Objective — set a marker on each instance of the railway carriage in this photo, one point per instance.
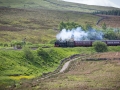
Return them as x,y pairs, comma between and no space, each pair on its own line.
85,43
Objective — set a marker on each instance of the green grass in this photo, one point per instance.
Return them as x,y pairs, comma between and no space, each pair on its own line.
15,66
52,4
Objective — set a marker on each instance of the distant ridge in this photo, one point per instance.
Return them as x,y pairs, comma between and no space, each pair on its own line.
52,5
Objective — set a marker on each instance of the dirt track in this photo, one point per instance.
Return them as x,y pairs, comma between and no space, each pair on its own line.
65,66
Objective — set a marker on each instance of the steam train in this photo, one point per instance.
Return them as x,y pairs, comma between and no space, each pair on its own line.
85,43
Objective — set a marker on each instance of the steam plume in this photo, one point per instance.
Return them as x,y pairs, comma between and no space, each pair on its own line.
79,34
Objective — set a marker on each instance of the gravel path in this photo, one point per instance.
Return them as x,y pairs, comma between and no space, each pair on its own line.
65,66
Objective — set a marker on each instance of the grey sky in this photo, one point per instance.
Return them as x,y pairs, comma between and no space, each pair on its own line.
113,3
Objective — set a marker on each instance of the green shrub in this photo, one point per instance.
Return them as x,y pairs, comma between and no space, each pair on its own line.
52,41
110,35
29,43
43,54
100,46
5,45
28,53
1,44
104,27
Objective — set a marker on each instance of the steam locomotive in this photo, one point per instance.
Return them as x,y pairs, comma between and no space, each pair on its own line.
85,43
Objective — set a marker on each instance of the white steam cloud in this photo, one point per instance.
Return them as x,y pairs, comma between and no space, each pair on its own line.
79,34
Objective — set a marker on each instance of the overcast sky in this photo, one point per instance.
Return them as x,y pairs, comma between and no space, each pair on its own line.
113,3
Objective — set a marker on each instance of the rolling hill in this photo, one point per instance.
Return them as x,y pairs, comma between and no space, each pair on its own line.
52,4
38,22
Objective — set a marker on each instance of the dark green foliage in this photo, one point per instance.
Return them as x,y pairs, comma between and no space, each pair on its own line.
52,41
43,54
62,26
40,52
68,25
104,27
1,44
117,32
5,45
110,35
110,12
88,26
100,46
16,43
28,53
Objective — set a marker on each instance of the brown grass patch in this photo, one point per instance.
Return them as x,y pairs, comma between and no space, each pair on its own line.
9,28
111,21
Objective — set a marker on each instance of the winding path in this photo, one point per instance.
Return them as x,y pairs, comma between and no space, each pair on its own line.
102,18
65,66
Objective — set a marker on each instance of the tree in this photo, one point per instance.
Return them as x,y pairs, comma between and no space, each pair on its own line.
88,26
111,35
62,25
100,46
104,27
68,25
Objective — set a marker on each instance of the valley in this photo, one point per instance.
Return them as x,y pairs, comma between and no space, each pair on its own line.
37,64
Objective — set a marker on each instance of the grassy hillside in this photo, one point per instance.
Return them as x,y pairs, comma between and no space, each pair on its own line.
95,74
39,26
38,20
26,64
52,4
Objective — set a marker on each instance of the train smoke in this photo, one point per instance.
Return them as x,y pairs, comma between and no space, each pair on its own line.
79,34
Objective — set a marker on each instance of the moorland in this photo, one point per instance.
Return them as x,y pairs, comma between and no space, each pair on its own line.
38,22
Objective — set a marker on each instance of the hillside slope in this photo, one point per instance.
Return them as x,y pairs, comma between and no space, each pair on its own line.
84,75
38,20
38,26
52,4
19,65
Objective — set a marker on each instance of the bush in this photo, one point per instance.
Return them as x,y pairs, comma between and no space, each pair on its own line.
52,41
28,54
5,45
1,44
43,54
110,35
100,46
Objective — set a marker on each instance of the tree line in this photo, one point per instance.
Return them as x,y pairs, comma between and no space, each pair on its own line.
108,33
110,12
71,25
